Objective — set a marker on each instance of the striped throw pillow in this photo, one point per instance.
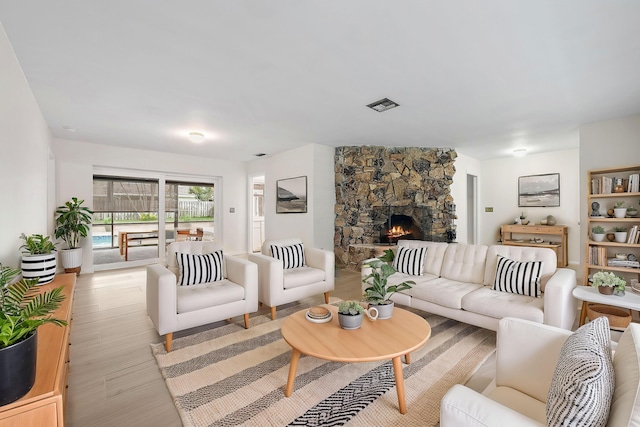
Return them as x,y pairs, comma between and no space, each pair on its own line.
291,256
409,260
194,269
583,383
517,277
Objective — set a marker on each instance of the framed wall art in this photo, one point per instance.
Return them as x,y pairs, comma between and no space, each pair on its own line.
539,190
292,195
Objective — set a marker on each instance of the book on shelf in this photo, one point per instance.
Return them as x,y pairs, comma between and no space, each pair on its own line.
634,183
597,255
615,262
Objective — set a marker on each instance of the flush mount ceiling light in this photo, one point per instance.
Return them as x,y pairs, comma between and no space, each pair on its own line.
69,129
196,137
383,105
520,152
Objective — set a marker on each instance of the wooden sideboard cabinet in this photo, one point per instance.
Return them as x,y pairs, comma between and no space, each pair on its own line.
559,235
44,404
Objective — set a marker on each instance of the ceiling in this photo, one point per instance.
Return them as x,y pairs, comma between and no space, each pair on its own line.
484,77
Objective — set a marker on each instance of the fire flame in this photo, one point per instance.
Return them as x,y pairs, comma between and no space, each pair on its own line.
397,231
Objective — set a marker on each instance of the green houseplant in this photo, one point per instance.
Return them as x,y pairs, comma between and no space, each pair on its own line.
379,292
38,258
620,234
23,309
619,211
597,233
350,314
72,224
607,282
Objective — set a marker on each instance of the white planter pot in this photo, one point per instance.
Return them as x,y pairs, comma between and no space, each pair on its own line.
597,237
620,212
71,260
621,236
41,267
385,311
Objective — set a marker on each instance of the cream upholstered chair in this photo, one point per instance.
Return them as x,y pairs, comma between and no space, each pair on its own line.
310,272
173,306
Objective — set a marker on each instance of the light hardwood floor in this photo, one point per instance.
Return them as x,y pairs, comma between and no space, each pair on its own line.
113,377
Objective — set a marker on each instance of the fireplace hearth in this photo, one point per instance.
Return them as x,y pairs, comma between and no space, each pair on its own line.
402,223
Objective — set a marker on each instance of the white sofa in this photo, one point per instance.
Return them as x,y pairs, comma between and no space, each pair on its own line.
174,308
526,358
457,283
281,286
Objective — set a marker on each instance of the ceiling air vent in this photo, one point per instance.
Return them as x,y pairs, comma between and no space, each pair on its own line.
260,154
383,105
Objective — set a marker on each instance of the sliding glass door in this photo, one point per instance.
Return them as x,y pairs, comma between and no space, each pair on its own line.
189,210
125,222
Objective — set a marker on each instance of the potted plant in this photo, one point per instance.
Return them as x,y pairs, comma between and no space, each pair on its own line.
350,314
632,211
608,283
379,292
597,233
72,224
38,258
620,234
24,309
619,211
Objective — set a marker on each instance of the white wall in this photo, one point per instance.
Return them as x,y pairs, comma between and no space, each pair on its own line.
74,166
464,165
24,163
315,227
605,144
499,189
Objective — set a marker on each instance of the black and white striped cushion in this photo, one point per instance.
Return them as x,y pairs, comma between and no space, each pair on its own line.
291,256
194,269
518,277
409,260
583,383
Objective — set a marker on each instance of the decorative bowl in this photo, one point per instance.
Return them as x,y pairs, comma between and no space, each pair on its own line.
621,256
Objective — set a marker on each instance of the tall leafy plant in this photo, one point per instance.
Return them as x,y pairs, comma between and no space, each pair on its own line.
23,307
72,222
379,291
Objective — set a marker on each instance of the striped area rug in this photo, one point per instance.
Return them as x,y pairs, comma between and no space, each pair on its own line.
230,376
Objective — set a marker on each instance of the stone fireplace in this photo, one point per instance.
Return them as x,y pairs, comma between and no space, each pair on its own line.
384,194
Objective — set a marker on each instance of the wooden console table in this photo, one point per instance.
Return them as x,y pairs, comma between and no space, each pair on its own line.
43,405
560,231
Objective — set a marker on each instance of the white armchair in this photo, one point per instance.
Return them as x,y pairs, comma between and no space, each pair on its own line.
174,308
526,357
279,285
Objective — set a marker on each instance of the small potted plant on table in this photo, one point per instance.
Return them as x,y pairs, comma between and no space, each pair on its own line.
608,283
350,314
379,291
24,309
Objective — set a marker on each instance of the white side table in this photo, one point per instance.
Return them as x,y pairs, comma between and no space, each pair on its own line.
589,294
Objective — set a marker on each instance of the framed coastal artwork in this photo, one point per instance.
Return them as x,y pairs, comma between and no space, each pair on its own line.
539,190
292,195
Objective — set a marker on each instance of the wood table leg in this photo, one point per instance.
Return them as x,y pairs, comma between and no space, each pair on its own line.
293,366
583,313
407,358
397,370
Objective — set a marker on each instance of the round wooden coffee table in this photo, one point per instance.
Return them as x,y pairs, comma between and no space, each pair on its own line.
375,340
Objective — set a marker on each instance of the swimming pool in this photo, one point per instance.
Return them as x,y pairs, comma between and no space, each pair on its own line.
103,241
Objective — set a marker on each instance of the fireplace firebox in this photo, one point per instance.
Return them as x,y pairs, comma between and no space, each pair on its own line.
402,223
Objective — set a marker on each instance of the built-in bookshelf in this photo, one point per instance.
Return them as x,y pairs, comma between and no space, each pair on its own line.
606,188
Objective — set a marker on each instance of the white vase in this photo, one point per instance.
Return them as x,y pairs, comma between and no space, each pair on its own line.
619,212
71,260
597,237
40,266
621,236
